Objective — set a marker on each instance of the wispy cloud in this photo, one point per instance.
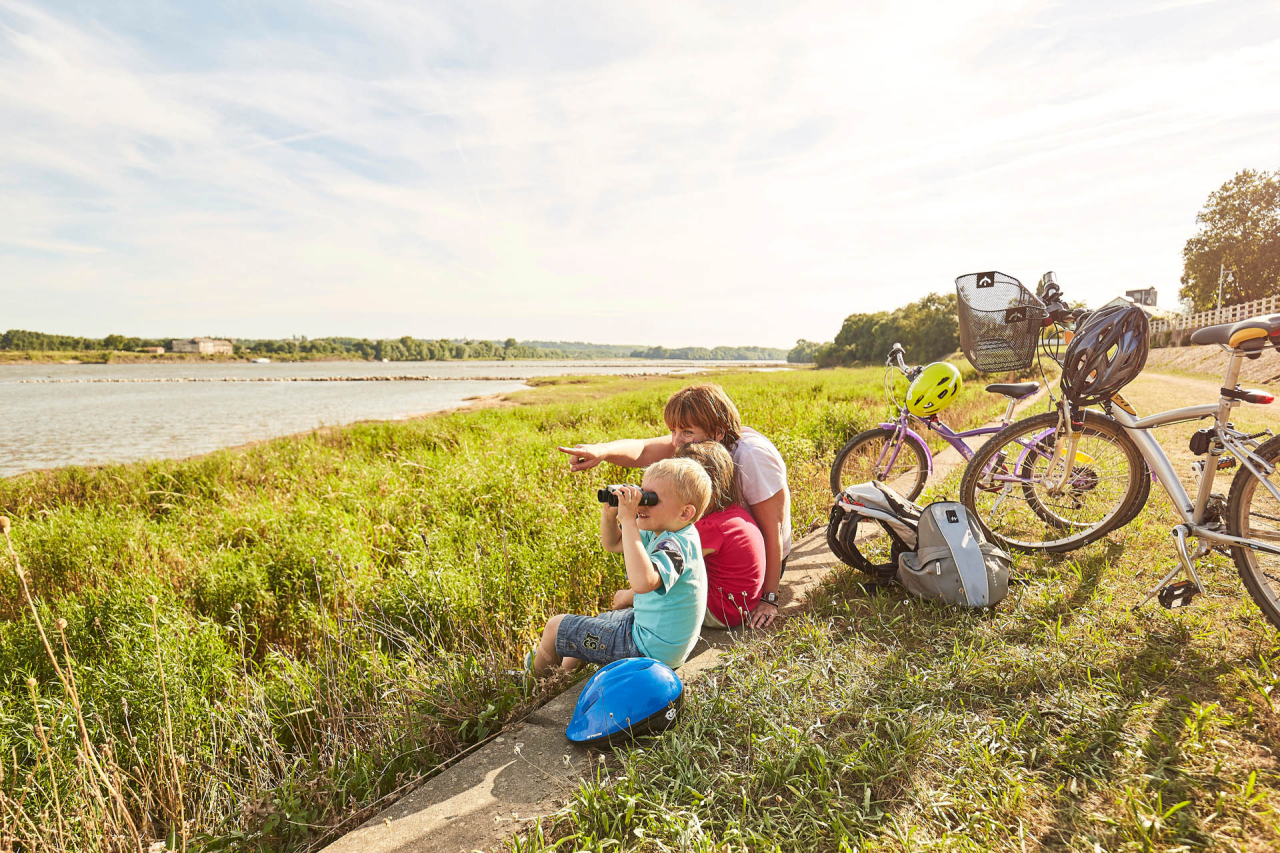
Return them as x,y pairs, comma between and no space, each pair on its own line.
668,172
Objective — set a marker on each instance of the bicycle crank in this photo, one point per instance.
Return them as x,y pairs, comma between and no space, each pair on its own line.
1180,594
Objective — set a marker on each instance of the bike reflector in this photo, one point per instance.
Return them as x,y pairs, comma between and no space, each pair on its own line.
1249,395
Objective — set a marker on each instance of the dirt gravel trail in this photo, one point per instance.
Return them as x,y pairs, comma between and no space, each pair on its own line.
1210,361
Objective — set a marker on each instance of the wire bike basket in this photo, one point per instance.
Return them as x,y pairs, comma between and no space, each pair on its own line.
1000,321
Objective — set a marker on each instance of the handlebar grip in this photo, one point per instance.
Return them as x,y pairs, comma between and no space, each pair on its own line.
1063,314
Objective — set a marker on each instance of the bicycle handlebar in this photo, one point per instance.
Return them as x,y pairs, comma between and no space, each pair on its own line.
1060,312
896,354
1058,309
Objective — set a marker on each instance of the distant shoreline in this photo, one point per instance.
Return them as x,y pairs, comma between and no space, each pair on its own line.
114,357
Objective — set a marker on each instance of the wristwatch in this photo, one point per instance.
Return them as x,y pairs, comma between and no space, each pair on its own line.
770,598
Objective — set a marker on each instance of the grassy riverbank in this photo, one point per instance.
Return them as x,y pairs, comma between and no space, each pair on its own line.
1062,721
264,642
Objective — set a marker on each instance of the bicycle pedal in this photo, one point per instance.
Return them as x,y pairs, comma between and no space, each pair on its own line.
1177,595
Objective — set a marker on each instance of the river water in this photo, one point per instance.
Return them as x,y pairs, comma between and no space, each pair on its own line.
62,414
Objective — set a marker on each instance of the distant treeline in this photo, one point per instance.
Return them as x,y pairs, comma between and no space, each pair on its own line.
400,349
582,349
928,329
406,348
20,339
716,353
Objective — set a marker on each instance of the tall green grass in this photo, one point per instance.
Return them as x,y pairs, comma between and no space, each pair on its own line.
1061,721
258,645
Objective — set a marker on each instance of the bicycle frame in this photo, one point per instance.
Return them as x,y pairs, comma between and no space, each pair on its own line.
901,426
902,429
1193,511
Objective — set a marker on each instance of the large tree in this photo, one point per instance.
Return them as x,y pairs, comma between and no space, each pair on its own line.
928,328
1239,231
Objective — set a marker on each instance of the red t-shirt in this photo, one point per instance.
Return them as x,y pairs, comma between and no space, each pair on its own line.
735,571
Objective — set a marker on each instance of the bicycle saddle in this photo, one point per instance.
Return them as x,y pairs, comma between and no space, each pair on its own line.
1016,390
1250,335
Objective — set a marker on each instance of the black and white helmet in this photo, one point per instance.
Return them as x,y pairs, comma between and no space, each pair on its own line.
1108,352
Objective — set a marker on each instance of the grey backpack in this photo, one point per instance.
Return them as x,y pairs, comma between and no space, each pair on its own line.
953,560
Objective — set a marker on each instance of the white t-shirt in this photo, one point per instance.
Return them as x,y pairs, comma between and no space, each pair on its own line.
762,474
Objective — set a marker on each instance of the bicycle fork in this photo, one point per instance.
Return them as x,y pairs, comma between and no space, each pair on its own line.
1065,452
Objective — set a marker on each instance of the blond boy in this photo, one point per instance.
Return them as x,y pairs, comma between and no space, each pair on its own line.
661,611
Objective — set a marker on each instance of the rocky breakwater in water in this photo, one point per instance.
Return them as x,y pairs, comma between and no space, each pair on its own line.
44,381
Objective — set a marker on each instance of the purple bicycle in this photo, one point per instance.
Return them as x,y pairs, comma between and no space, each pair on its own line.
893,452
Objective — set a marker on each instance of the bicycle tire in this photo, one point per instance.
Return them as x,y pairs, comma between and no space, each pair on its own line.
872,441
1246,502
1122,487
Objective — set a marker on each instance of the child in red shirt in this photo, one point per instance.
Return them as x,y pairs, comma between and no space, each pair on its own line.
732,544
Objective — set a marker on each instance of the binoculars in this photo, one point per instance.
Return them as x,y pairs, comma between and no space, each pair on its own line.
608,496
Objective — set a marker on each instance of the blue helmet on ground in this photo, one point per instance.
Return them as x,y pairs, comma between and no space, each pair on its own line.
624,700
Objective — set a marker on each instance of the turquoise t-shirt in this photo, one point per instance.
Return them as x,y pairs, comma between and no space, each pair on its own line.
669,619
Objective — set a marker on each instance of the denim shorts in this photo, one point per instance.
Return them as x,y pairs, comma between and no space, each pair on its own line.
598,639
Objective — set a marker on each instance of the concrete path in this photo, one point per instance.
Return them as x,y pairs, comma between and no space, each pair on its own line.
531,768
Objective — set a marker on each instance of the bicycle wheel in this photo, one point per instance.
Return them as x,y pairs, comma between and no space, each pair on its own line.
874,455
1005,485
1254,513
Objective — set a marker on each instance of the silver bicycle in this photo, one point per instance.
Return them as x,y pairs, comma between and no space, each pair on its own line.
1087,479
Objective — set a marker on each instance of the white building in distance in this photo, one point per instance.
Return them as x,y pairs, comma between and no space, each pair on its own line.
204,346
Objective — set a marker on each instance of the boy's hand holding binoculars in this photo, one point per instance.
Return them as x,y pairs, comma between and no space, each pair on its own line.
626,498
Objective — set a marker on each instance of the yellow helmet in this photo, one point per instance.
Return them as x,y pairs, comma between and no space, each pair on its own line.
933,390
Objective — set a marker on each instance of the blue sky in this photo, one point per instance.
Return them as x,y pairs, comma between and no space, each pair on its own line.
671,173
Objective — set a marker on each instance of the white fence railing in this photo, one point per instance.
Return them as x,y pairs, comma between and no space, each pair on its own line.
1226,314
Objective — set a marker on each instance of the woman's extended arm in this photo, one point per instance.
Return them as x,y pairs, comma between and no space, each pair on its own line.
768,515
626,452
